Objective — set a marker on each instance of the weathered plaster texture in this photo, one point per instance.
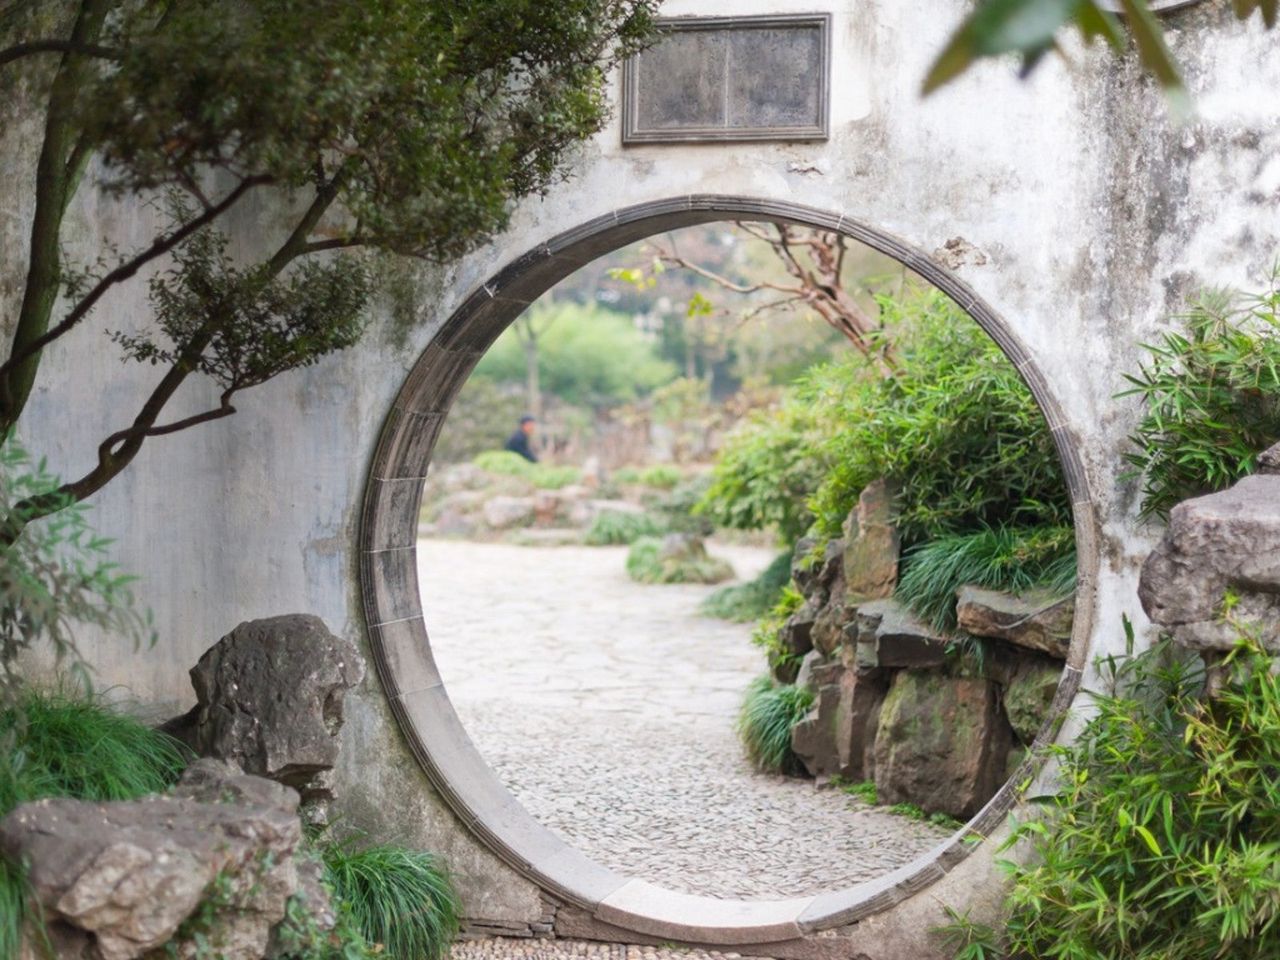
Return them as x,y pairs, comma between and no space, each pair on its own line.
1086,214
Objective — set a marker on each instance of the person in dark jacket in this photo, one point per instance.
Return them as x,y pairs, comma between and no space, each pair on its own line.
518,442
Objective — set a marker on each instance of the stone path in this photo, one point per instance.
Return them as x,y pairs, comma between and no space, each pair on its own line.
607,707
501,949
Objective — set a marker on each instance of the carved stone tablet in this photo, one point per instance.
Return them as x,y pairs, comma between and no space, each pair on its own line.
730,78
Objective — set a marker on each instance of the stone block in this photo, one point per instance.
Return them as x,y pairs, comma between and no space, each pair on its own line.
870,560
1035,620
861,698
1029,693
942,742
890,636
813,739
1220,543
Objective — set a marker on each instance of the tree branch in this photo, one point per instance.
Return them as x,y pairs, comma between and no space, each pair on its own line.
123,272
34,47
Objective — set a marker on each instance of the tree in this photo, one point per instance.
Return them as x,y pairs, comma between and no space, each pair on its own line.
396,127
1031,28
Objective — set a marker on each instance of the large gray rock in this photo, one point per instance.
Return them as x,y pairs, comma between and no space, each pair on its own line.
889,635
1035,620
1220,543
117,880
942,742
1029,693
270,698
871,545
503,513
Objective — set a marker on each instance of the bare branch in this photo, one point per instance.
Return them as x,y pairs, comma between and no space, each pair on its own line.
33,47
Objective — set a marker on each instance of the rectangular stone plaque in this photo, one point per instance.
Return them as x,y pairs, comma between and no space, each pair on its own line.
730,78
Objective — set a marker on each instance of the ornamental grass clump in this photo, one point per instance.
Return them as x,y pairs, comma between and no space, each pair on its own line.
402,901
1164,842
743,602
769,712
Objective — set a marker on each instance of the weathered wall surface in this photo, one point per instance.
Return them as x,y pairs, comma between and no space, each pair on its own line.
1090,212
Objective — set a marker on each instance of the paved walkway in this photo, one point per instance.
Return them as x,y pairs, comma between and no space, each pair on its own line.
607,707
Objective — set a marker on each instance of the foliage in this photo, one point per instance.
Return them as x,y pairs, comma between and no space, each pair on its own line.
864,790
64,745
13,908
647,564
767,632
768,713
1162,842
660,476
1031,28
1003,558
400,899
955,430
678,510
968,939
480,418
396,128
743,602
544,476
55,575
612,527
299,937
586,356
1212,397
768,468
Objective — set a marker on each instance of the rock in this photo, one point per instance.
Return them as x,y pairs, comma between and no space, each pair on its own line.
804,572
804,677
870,560
456,515
1269,460
827,632
862,695
1036,620
685,556
269,696
889,635
1227,541
796,637
941,742
813,739
125,876
502,512
1029,694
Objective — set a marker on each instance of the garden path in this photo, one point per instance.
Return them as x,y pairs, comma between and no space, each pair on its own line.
608,708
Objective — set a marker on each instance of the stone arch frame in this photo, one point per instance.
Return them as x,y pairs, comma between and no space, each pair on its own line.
401,649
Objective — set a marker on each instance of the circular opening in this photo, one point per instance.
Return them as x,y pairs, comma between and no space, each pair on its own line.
401,649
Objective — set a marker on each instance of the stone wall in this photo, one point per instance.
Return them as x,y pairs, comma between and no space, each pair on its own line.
1071,203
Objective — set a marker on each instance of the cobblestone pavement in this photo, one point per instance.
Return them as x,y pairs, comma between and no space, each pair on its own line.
607,707
500,949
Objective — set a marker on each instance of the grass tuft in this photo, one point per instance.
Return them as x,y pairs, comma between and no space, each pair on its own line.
1013,559
744,602
646,564
400,899
768,713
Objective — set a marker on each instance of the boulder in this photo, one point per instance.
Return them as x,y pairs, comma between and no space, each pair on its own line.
1035,620
269,697
503,512
1215,544
862,696
870,559
1269,460
804,571
1029,693
889,635
118,880
813,739
827,632
942,742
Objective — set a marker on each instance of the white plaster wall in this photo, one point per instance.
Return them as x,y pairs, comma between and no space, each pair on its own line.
1095,211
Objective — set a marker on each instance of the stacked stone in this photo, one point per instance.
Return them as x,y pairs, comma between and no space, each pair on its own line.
893,703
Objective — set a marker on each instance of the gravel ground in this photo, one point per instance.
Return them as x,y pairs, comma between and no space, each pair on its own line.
607,707
499,949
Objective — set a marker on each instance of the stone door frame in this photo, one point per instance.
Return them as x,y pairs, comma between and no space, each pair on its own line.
401,651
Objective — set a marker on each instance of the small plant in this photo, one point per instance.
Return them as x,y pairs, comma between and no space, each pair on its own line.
748,601
969,939
1001,558
663,476
648,562
768,632
1212,397
402,901
544,476
13,908
769,711
864,790
613,527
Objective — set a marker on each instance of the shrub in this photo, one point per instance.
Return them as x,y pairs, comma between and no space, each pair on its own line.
769,711
1162,843
663,476
678,509
544,476
400,899
1003,558
612,527
646,564
767,633
743,602
1212,398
